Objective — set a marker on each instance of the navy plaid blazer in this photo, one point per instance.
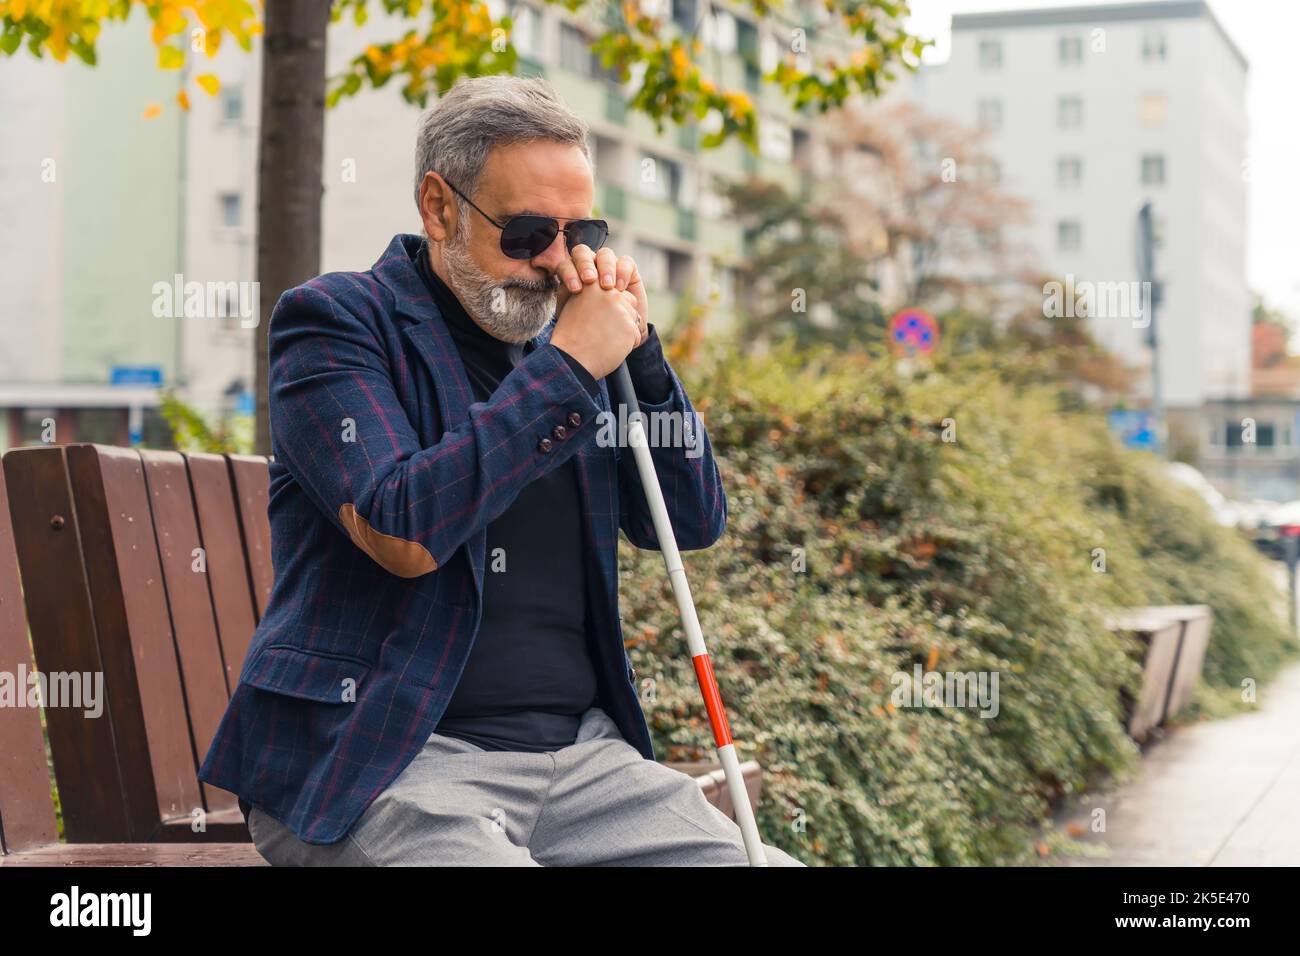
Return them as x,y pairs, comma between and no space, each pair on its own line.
385,476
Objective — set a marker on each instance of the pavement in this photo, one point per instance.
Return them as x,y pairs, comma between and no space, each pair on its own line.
1215,793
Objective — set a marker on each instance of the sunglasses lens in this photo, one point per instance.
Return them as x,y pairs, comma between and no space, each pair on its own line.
526,236
587,232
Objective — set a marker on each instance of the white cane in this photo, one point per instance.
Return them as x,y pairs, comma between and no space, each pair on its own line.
621,382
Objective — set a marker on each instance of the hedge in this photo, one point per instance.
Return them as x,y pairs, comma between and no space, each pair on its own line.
960,519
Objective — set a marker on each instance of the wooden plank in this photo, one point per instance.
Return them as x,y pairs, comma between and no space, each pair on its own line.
1161,644
139,854
252,490
155,754
26,807
184,571
47,536
1194,637
228,579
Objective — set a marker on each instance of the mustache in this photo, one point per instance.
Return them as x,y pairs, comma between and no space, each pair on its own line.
538,286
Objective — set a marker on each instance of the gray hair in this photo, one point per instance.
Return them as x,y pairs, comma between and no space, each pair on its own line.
479,113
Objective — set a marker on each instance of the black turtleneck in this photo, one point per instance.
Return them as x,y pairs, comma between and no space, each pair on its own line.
530,673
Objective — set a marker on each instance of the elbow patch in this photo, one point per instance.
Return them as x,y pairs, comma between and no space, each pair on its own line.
406,559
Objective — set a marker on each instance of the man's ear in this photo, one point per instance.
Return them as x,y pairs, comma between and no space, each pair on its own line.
437,208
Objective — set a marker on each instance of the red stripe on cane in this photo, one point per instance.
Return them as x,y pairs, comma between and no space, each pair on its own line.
712,699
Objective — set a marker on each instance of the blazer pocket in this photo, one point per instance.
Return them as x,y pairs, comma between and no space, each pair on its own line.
309,675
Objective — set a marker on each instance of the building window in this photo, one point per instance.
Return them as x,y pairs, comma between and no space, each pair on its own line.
652,264
658,178
1152,109
713,200
719,31
231,210
989,114
1069,235
577,57
1070,50
1069,112
1069,172
1153,46
232,104
1153,170
684,15
525,32
991,54
775,140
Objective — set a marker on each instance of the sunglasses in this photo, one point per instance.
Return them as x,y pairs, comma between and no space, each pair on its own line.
528,236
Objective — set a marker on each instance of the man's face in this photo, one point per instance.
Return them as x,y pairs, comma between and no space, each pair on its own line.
513,299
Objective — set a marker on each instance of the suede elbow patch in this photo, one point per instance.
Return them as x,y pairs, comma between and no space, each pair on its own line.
406,559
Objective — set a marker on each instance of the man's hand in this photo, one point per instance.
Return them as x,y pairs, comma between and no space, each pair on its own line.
598,327
604,268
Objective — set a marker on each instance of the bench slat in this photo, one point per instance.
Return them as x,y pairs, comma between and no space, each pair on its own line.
228,580
138,854
64,639
190,604
26,808
252,489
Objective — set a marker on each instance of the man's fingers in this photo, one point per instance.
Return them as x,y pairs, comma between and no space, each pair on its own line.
607,265
625,272
567,273
584,260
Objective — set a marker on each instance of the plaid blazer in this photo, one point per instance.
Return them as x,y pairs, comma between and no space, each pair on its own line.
385,476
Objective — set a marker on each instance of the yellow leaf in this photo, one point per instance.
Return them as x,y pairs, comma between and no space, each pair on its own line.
211,85
170,58
183,98
153,111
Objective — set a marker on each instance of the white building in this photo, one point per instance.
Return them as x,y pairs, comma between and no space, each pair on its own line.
105,200
1091,112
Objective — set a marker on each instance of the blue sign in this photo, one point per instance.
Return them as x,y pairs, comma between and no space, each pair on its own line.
1134,427
136,375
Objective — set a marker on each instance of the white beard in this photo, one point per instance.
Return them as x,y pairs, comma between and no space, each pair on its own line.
514,310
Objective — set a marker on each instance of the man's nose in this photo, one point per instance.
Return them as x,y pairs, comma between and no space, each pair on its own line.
553,256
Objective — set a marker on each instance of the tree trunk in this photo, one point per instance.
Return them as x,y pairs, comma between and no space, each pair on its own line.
291,153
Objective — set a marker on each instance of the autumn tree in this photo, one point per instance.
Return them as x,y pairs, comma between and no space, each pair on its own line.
911,213
448,39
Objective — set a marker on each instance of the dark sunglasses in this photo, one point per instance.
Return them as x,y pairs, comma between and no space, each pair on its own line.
525,237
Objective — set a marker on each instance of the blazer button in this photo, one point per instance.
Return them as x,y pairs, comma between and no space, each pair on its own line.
559,432
544,445
575,419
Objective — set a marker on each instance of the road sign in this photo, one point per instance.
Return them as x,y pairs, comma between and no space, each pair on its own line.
912,331
136,375
1135,427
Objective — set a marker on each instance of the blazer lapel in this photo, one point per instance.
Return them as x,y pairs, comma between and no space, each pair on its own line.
425,328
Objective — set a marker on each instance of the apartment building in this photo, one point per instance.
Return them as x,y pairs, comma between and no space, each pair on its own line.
139,202
1092,111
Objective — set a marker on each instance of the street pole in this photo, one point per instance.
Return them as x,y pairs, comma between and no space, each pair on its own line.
1147,270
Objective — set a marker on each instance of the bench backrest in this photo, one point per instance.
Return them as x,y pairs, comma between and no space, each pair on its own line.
152,569
26,808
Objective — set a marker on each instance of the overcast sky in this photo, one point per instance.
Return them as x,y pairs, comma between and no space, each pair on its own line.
1266,31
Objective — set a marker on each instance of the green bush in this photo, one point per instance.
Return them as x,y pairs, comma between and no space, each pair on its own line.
974,554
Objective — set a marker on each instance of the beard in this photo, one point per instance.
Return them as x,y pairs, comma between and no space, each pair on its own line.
513,310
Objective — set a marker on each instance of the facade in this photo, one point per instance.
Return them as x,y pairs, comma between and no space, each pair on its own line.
1093,111
138,202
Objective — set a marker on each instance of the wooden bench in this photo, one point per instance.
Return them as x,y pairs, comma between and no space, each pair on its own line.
151,568
1173,639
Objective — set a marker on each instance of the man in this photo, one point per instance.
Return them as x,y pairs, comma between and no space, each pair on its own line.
439,677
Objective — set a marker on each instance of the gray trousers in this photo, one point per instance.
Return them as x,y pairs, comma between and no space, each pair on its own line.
597,802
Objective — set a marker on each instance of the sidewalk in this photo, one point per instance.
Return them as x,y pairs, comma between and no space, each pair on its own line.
1218,793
